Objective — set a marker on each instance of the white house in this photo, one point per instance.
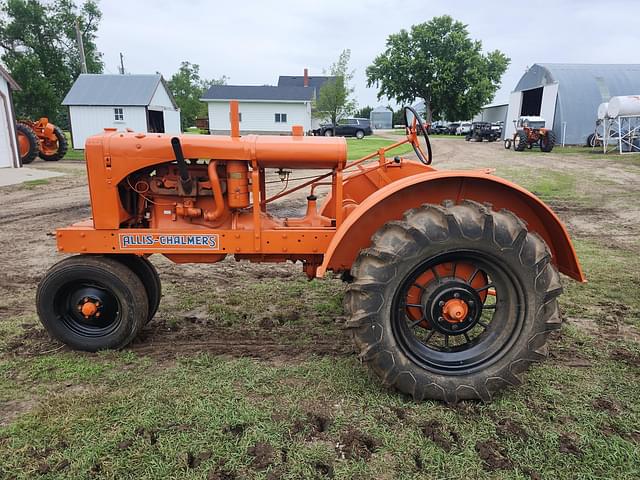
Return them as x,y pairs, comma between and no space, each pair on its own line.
8,142
142,103
265,109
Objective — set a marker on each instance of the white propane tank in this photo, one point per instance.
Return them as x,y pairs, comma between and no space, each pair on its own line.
624,105
602,110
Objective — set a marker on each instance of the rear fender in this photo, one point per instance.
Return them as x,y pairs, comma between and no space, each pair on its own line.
391,201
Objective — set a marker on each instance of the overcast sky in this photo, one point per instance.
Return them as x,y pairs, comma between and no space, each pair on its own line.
252,42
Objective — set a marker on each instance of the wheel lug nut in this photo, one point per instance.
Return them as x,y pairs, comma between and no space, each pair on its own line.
441,303
441,319
456,295
471,303
454,327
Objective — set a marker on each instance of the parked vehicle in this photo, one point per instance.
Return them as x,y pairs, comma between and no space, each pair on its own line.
530,132
452,275
464,128
40,139
452,127
439,129
346,127
481,131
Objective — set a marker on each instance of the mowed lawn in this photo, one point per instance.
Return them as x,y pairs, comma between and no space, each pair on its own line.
323,415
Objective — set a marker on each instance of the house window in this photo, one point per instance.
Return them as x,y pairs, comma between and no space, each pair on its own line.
118,114
239,116
281,118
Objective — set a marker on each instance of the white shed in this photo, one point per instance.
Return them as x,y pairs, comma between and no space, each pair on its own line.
8,143
263,109
142,103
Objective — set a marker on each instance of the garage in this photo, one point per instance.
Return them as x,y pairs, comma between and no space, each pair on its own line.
8,145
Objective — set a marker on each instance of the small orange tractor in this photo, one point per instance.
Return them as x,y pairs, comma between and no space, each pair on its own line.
531,131
40,138
452,275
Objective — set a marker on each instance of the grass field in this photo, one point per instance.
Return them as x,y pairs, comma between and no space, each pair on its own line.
307,408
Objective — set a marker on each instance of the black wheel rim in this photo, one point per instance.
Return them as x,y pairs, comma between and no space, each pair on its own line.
88,309
492,304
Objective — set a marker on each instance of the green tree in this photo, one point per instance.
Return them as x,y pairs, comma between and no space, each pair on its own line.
38,40
334,98
364,112
187,88
440,64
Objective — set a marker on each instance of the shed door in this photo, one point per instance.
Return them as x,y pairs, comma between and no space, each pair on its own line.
6,147
548,110
513,113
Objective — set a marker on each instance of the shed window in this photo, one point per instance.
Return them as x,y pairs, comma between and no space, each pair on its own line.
118,114
281,118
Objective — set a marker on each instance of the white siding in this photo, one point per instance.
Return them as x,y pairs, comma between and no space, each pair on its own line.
172,121
89,120
160,99
260,116
8,146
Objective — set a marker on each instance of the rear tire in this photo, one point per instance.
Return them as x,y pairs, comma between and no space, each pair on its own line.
521,141
507,143
149,277
548,141
62,147
514,261
27,143
328,133
360,134
92,302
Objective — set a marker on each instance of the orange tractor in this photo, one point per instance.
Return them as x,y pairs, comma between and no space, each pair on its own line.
40,138
531,131
452,275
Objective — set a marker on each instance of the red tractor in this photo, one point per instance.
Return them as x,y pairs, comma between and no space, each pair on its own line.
531,131
453,275
40,138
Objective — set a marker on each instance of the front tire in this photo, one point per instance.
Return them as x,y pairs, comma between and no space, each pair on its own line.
360,134
422,312
27,143
520,142
92,302
328,133
149,277
54,151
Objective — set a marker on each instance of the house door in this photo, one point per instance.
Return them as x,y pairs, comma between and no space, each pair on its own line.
155,121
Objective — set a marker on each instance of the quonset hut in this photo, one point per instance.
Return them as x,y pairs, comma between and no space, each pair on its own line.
567,96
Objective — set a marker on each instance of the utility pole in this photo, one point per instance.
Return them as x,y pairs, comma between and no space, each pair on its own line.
121,64
83,60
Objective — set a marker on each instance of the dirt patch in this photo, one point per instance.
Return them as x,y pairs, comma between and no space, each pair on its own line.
568,444
263,455
435,431
354,445
12,409
628,357
493,456
512,429
221,473
312,425
606,404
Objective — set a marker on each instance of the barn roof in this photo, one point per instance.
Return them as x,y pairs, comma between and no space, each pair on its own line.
298,81
263,93
4,74
114,90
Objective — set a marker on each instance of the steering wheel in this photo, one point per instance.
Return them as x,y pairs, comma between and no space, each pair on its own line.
412,134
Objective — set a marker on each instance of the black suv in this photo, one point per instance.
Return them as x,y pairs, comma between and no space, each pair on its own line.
347,127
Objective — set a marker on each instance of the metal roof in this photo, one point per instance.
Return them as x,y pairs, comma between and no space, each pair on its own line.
382,108
12,83
258,93
298,81
118,90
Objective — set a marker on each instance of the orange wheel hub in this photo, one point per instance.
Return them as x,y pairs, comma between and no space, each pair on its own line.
455,310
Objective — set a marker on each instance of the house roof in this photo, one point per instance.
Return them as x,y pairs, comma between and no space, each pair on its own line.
4,74
118,90
259,93
298,81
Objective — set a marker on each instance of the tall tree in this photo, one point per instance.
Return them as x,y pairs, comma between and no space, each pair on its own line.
440,64
334,98
38,40
187,88
364,112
